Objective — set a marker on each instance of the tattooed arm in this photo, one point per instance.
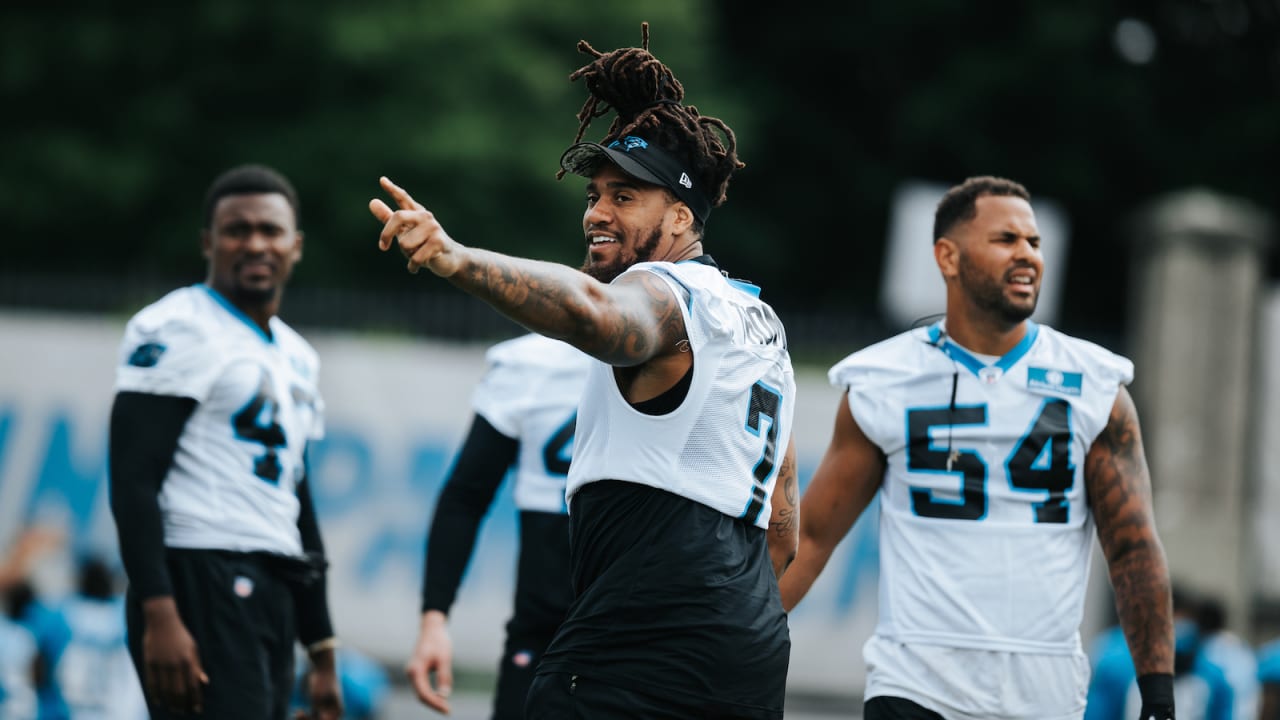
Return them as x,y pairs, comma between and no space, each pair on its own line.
1119,487
784,523
843,485
625,324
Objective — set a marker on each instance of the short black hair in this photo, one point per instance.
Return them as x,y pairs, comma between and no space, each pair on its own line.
1211,615
96,580
960,203
248,179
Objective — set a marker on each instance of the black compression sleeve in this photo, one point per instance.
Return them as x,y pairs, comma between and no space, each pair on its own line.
312,603
144,435
477,473
1156,691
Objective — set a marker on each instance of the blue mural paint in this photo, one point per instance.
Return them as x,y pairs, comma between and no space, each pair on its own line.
6,416
340,450
67,483
69,487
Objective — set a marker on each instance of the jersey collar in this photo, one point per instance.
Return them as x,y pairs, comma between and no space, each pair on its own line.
988,373
237,312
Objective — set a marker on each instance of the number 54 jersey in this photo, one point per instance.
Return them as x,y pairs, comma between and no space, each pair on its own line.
240,456
985,529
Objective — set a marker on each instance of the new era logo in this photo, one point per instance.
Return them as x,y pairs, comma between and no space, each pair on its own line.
685,181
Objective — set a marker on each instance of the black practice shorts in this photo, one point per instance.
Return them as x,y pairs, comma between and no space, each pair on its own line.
896,708
242,619
561,696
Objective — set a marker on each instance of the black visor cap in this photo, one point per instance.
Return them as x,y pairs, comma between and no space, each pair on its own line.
641,160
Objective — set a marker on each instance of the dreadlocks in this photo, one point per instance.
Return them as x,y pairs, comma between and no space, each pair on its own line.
647,97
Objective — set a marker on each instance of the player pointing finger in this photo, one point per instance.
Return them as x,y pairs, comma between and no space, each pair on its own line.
421,237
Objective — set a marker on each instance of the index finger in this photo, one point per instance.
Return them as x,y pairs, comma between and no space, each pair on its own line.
400,195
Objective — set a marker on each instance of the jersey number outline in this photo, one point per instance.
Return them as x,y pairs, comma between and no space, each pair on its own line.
1040,462
765,401
557,452
256,423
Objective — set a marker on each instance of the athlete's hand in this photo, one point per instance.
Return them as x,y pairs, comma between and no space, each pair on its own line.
174,676
433,653
421,237
324,688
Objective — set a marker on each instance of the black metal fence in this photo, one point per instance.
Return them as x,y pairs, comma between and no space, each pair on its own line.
441,312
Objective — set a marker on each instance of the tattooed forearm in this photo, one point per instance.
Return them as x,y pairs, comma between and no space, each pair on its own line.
784,523
622,324
1119,490
786,497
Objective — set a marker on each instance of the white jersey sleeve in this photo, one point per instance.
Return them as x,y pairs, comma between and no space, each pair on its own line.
168,350
530,392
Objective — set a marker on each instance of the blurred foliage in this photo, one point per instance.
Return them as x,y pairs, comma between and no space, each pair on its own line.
118,115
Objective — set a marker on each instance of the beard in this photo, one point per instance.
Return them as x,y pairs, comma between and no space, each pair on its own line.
251,295
642,252
988,294
246,292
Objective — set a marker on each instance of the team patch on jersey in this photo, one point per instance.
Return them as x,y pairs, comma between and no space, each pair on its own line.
146,355
1054,381
243,586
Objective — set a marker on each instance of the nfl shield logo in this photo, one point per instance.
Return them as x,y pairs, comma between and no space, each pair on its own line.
243,586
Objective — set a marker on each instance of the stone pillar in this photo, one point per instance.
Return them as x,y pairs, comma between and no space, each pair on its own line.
1199,265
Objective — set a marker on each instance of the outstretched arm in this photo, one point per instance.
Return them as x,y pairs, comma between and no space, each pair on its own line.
624,323
843,485
1119,488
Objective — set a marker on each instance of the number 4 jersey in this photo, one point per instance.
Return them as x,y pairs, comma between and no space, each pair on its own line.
985,530
240,455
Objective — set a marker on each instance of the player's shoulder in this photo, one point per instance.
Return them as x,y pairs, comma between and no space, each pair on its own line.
184,305
292,341
182,317
690,275
533,350
1056,347
899,356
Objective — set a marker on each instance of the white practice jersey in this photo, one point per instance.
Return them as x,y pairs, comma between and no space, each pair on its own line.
530,392
94,671
240,456
722,445
985,529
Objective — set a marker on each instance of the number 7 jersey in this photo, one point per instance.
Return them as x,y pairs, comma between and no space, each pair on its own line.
240,456
985,530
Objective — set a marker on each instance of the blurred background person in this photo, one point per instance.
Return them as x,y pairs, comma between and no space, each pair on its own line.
1201,690
37,614
22,668
216,406
366,685
525,409
1227,650
94,672
1269,680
